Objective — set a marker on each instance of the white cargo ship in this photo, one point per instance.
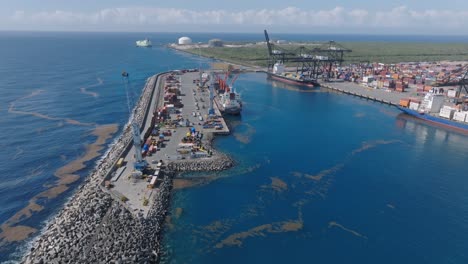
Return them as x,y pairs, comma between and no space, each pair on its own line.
144,43
230,103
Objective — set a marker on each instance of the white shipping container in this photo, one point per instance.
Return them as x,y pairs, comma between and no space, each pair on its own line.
413,106
367,79
452,93
459,116
447,113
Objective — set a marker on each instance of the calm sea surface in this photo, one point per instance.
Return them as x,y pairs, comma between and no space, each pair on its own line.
320,177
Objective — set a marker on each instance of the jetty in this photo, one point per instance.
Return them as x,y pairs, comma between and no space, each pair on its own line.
185,106
385,96
117,218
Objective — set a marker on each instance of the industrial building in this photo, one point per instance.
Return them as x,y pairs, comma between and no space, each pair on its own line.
212,43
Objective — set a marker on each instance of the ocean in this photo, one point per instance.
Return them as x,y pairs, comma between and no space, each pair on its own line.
320,176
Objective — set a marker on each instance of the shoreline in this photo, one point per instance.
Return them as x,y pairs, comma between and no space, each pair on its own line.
94,226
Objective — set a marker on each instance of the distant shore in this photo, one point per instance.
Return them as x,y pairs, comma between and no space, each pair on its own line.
256,55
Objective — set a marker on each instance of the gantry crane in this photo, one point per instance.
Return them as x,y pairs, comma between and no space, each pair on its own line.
313,63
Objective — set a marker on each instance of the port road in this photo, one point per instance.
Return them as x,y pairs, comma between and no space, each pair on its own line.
379,95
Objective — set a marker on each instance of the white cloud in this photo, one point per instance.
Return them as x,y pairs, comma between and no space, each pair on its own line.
399,17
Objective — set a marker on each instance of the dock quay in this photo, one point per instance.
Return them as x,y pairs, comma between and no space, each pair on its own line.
98,224
385,96
179,109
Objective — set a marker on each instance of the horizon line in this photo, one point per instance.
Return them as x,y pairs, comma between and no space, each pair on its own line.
234,32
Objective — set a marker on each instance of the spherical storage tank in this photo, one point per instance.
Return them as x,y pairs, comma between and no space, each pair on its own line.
185,41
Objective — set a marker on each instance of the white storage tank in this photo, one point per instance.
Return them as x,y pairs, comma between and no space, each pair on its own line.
185,41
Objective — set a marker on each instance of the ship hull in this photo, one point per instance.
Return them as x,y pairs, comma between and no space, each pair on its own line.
436,120
307,83
228,110
144,45
232,111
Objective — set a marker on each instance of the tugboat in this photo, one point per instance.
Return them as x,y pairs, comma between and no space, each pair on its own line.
144,43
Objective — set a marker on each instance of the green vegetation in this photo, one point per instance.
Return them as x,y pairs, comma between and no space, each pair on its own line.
123,199
384,52
406,52
145,201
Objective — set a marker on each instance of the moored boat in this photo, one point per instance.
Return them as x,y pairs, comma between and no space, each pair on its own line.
144,43
461,126
230,103
432,109
278,73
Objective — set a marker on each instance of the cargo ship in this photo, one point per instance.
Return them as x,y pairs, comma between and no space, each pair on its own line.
230,103
144,43
278,73
228,100
433,110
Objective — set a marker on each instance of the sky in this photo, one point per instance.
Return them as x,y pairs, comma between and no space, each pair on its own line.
422,17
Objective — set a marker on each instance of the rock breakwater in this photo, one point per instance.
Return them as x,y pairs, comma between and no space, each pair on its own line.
85,230
217,163
94,228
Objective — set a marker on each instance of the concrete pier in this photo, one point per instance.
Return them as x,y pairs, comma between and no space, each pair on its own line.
137,195
384,96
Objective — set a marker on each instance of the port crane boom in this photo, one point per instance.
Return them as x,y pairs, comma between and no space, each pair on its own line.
140,163
313,63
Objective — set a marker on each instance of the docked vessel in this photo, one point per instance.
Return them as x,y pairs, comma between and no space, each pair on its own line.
227,99
278,73
230,103
432,109
144,43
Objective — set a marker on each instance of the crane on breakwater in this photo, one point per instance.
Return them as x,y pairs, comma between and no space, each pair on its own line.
140,164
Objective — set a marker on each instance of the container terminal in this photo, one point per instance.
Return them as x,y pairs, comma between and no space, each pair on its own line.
436,92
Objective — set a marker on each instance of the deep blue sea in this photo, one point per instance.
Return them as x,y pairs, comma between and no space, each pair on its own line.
320,177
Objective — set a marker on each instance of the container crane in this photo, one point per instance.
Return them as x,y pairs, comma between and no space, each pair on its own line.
314,63
140,164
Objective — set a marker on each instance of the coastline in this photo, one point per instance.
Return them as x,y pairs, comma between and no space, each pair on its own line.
95,226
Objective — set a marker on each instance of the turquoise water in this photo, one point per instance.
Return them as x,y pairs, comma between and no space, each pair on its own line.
353,181
361,184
